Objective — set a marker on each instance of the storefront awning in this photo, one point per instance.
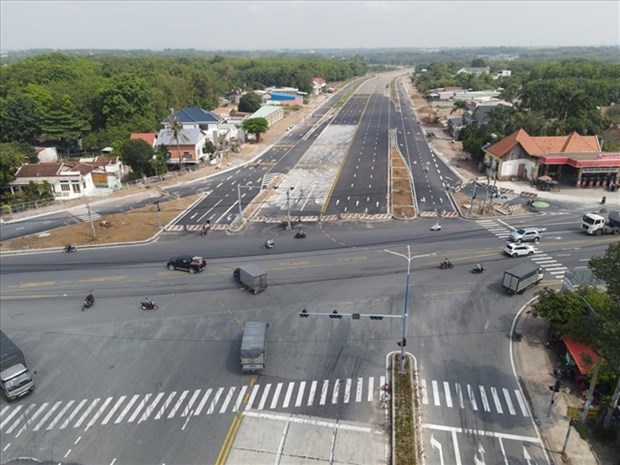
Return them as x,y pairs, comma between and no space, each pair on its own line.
583,355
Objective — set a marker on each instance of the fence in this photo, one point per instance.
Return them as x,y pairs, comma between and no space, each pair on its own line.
9,209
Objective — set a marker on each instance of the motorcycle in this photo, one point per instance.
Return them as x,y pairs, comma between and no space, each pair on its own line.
87,303
436,227
300,235
149,305
445,266
475,269
269,245
70,248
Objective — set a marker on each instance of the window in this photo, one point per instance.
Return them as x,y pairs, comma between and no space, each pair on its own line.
64,186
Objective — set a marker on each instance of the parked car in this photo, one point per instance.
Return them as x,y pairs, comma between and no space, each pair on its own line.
518,250
524,235
189,263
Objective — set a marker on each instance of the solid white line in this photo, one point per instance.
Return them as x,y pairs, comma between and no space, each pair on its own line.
187,410
11,415
521,403
73,414
149,408
307,421
99,412
167,402
263,399
139,408
347,391
126,409
457,429
358,390
289,392
436,400
178,404
276,395
485,401
511,408
47,415
229,396
203,401
472,397
496,401
32,418
324,392
457,452
300,394
335,391
371,388
239,398
312,393
85,414
252,396
423,391
109,415
215,400
446,390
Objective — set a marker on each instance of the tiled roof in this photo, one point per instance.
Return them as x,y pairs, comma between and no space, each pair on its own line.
34,170
194,115
542,145
148,137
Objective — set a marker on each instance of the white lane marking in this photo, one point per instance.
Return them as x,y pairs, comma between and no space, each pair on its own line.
511,408
323,392
358,390
229,396
113,411
276,395
307,421
149,408
252,396
300,394
98,413
239,398
347,391
336,391
485,400
287,396
263,398
496,401
312,393
203,402
126,409
521,403
472,397
139,408
446,388
32,418
178,404
215,400
11,415
436,400
478,432
21,418
167,402
371,388
73,414
47,415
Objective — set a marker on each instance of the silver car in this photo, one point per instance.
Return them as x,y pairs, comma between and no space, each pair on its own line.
524,235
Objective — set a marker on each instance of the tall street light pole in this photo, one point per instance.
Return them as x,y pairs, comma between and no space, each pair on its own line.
403,341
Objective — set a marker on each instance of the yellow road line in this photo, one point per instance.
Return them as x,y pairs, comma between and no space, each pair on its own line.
39,284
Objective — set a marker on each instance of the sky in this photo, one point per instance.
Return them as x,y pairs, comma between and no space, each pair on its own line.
274,25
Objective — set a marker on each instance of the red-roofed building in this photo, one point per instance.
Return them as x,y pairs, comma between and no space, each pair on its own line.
68,180
576,159
148,137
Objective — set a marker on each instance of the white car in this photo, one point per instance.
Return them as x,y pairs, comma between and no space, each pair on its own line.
518,250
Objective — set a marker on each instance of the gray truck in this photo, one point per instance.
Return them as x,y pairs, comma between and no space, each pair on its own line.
254,346
252,277
596,225
15,378
521,277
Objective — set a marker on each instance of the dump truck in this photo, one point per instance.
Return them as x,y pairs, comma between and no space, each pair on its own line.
15,378
252,277
254,346
521,277
596,225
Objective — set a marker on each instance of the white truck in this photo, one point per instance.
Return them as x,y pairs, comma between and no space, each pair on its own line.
15,378
596,225
252,277
254,346
519,278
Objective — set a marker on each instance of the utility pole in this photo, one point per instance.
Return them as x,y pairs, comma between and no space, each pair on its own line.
90,218
288,207
158,214
473,196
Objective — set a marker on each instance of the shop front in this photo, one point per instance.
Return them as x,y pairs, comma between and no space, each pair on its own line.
584,170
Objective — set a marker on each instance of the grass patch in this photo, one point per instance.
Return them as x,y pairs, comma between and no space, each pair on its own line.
403,423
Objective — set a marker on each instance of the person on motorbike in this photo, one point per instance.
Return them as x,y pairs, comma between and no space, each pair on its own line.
479,268
445,263
69,248
269,244
90,299
148,303
300,234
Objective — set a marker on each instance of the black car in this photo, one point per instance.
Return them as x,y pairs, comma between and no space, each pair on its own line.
188,263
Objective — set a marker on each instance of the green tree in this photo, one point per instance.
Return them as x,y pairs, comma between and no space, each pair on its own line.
160,159
256,126
459,105
138,154
62,123
12,156
19,119
250,102
126,96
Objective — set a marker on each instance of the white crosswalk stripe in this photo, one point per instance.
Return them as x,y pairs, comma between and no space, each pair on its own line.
138,408
83,214
468,396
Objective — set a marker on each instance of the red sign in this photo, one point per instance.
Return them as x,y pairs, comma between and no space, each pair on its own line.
609,156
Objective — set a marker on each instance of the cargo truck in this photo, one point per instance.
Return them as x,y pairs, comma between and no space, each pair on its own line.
519,278
254,346
15,378
597,225
252,277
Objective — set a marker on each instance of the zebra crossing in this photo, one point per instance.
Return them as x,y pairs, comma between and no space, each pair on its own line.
545,261
138,408
83,213
479,398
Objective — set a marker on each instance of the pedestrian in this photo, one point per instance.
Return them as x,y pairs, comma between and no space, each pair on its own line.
603,200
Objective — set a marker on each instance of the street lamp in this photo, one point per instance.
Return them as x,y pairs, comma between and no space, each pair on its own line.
403,341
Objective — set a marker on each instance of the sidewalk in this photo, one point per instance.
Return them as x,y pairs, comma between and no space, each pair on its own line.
534,364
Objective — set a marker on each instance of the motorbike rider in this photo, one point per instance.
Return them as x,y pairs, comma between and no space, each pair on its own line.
301,233
479,268
445,263
148,303
69,247
89,301
269,244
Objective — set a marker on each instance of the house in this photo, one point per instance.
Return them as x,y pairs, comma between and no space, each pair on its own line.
69,180
577,159
285,99
148,137
502,73
271,113
481,112
196,127
318,85
474,70
455,126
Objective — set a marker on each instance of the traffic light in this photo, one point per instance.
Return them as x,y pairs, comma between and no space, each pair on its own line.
334,314
304,313
355,316
403,343
376,317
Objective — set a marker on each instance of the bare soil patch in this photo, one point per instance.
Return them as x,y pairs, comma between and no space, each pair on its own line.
401,189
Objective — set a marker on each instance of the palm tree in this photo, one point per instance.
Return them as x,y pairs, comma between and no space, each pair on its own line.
176,127
459,105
